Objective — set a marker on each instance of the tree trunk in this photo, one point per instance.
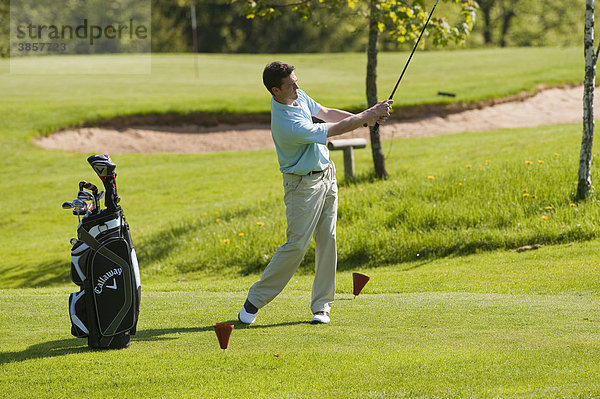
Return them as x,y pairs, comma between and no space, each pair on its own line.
376,149
486,9
585,157
506,20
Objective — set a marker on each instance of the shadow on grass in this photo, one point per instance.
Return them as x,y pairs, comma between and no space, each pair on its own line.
44,274
363,177
69,346
44,350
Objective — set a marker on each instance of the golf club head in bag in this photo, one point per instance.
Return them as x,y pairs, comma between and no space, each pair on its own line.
88,186
105,169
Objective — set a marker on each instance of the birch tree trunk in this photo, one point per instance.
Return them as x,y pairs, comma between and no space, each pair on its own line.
376,149
585,158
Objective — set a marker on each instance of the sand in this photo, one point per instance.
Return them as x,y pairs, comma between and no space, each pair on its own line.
547,107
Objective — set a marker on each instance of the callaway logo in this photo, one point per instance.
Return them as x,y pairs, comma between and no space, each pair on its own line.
102,280
100,170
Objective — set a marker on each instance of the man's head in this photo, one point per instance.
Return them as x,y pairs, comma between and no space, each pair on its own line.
280,80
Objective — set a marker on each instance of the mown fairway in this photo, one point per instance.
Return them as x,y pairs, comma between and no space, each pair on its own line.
400,338
450,310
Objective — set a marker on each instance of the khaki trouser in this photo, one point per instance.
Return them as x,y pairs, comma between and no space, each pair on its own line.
311,210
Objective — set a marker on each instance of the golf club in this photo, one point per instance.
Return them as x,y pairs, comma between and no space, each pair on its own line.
78,208
85,196
88,186
391,97
99,196
105,169
413,51
102,165
88,197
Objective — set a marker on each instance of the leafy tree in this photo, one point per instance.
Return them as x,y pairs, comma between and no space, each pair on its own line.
401,20
531,22
4,28
505,11
170,24
223,29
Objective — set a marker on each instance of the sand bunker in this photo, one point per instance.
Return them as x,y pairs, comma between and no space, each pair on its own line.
548,107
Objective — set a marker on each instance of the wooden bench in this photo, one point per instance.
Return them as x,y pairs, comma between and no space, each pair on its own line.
347,145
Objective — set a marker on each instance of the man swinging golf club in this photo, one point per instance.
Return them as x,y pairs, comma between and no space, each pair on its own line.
310,188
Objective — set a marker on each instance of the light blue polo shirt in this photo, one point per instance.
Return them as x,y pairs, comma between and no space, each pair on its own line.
301,144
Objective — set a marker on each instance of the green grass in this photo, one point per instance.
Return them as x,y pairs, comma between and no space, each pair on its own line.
232,83
500,324
174,200
450,310
186,222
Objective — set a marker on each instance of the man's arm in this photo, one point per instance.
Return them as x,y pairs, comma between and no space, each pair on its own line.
332,115
340,122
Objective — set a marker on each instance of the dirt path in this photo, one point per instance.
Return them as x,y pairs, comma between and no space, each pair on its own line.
553,106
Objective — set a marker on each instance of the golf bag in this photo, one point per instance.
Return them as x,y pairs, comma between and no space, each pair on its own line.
104,266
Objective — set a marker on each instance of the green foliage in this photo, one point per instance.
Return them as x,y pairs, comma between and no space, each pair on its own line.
223,29
171,31
88,27
402,21
4,28
531,22
548,22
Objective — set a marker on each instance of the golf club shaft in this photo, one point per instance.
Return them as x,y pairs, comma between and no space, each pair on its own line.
412,52
391,97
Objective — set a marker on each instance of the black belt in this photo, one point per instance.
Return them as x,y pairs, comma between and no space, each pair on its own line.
314,172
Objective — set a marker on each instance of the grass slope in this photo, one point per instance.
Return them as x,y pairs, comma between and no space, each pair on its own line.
222,213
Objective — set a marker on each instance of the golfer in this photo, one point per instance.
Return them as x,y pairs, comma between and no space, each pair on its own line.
310,188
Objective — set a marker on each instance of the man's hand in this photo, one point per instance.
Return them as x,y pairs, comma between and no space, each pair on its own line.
379,112
376,114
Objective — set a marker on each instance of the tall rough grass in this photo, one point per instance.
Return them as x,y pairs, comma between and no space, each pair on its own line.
452,195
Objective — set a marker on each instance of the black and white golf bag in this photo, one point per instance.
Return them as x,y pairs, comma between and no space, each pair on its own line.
104,266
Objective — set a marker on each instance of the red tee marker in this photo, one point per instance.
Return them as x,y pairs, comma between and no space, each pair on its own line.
359,282
223,332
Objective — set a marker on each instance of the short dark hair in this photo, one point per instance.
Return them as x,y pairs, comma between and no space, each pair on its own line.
275,72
